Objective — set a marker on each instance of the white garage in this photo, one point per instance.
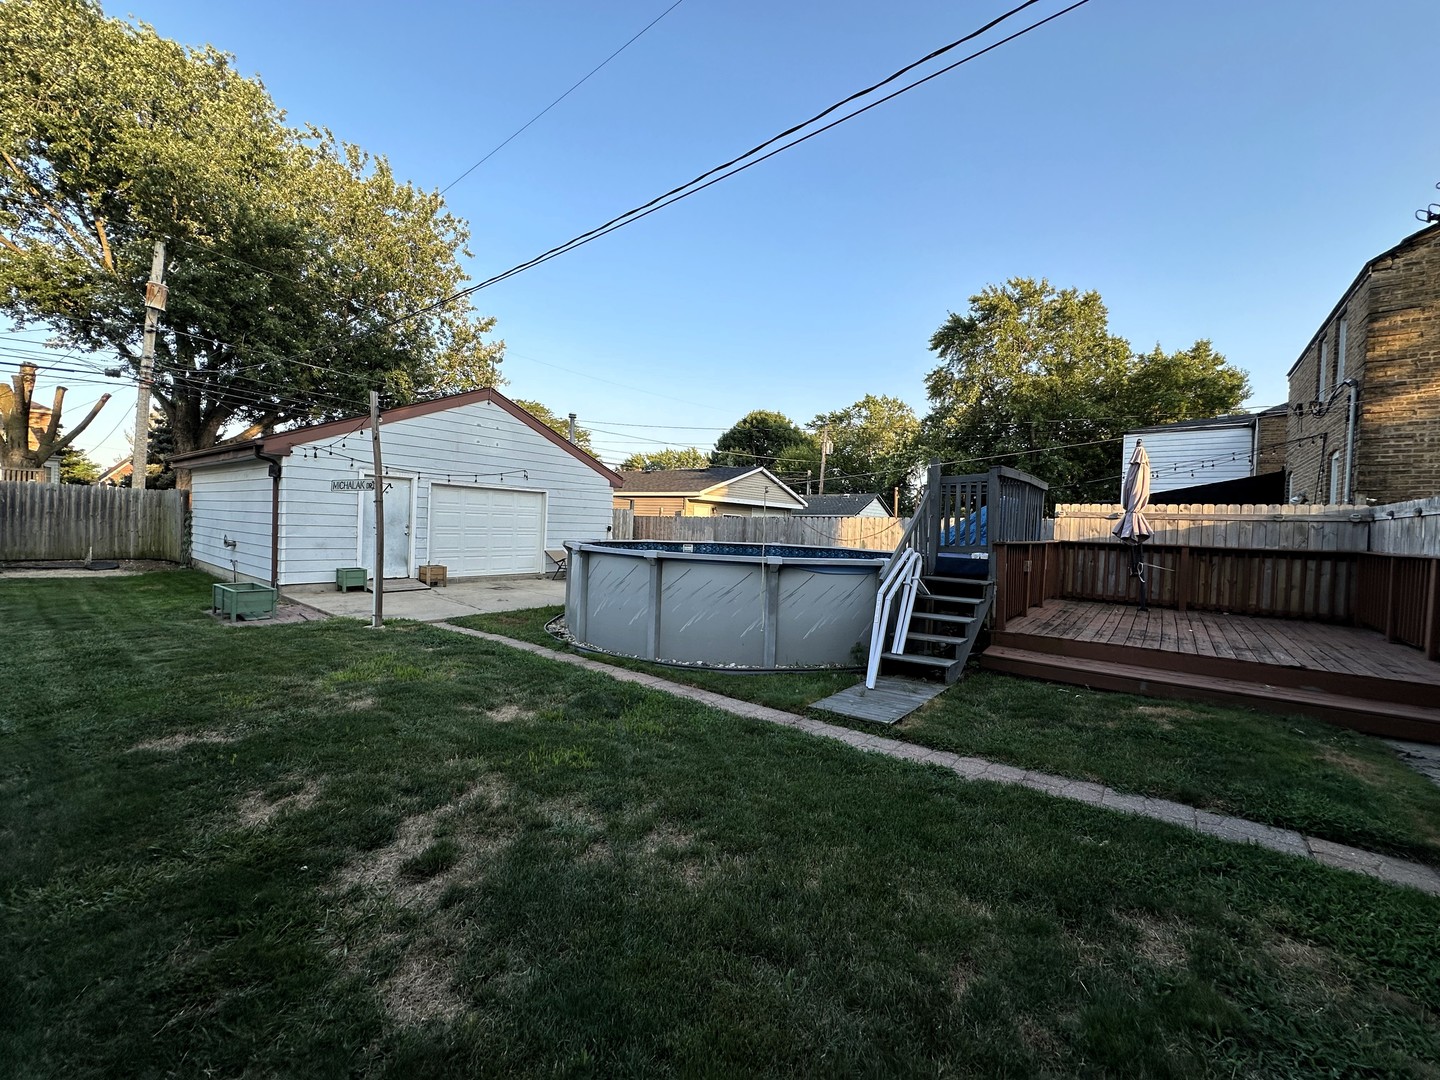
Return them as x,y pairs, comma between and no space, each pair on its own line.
472,482
478,531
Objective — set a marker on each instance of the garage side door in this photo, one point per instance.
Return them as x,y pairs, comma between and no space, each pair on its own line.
476,531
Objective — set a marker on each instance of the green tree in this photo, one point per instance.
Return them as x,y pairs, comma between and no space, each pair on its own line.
770,439
875,446
78,467
688,458
557,424
294,256
1032,377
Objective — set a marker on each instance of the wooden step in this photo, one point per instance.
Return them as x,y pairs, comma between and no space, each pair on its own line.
976,581
943,599
937,616
1345,684
919,658
944,639
1391,720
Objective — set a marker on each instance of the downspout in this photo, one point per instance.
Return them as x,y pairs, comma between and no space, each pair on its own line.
1350,441
274,514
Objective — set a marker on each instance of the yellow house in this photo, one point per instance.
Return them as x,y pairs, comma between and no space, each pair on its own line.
736,491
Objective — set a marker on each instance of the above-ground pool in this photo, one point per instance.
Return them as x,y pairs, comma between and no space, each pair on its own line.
723,605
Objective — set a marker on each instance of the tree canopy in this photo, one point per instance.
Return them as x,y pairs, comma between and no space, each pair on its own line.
769,439
687,458
1031,376
875,446
294,257
559,425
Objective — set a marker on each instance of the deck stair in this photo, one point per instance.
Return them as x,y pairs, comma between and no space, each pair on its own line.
948,615
1270,677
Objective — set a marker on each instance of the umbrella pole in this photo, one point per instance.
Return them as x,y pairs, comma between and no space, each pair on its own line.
1140,573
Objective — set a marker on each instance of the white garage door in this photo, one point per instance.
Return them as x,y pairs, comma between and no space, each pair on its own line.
476,531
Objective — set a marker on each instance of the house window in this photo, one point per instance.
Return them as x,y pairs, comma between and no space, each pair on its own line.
1340,333
1335,492
1321,386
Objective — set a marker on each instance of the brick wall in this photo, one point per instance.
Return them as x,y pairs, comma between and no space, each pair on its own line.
1274,430
1392,335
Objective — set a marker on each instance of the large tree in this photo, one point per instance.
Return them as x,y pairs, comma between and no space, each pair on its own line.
770,439
23,422
875,446
687,458
294,257
1031,376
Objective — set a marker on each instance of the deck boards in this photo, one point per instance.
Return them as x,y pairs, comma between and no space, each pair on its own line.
891,700
1344,650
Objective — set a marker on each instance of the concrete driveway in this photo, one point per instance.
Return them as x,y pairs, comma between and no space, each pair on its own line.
410,600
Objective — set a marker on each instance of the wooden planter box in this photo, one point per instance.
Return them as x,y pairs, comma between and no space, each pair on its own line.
434,575
351,577
244,599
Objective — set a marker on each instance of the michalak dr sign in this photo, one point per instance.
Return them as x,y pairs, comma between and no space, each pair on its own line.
355,485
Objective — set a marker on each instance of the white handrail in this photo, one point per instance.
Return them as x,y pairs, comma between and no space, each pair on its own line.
906,566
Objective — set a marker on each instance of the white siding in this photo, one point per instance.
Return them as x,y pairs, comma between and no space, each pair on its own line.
1193,456
478,445
232,502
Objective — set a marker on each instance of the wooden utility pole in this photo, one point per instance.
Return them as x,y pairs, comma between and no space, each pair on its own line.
155,295
378,619
825,447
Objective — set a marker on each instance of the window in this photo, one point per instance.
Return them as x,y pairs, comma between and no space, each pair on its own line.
1335,492
1340,334
1321,385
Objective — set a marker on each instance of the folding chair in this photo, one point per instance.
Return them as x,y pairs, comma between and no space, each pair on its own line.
558,558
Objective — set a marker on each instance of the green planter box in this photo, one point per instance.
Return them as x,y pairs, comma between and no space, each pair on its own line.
351,577
244,599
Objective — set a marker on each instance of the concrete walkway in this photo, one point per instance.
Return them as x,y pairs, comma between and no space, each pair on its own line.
429,605
1237,830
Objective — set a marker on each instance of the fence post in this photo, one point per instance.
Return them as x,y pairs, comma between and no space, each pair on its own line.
1432,613
1001,555
1182,579
1389,599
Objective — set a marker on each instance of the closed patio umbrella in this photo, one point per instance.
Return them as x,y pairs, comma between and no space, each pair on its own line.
1132,528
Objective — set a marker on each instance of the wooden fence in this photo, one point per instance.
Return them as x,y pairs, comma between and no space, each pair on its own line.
23,476
1406,528
872,533
1278,525
1399,595
41,522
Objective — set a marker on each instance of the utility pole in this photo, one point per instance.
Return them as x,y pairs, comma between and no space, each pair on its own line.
155,294
826,446
378,618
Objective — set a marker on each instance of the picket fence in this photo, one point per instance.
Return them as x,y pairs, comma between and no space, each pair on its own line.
871,533
1411,528
44,522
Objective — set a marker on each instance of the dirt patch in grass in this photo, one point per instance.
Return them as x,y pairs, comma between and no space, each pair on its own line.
1160,942
257,809
420,989
962,976
1365,770
1163,716
506,714
171,743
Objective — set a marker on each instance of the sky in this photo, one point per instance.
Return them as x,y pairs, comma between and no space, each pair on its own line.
1218,169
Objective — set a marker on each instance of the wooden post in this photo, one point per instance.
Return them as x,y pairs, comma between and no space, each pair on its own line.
1390,599
1432,613
1182,579
1000,555
378,618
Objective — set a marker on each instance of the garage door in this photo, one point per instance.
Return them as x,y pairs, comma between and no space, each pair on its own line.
475,531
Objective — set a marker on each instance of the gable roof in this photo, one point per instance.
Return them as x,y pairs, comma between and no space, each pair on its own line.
1232,420
282,443
839,505
692,483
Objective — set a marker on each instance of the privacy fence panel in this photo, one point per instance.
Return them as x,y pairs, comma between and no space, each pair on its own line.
871,533
42,522
1407,528
1232,525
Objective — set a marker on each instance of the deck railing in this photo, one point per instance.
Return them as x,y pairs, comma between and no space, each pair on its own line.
969,514
1398,595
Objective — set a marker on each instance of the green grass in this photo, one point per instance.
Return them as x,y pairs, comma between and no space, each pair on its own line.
791,691
318,850
1288,771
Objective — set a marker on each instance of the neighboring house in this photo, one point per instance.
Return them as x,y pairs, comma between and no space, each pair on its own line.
1190,453
1365,393
472,482
48,471
117,474
735,491
843,506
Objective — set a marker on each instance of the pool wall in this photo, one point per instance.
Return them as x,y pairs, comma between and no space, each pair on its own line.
723,605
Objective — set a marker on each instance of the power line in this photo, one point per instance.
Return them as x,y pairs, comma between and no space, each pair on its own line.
562,97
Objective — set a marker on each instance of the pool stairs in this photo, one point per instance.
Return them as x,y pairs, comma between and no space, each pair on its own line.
948,615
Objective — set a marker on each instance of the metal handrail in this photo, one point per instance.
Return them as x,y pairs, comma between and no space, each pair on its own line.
904,570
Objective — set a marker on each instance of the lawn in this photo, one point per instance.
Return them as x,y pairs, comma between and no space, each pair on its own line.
1288,771
318,850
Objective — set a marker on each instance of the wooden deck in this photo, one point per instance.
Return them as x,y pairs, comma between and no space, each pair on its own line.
1344,674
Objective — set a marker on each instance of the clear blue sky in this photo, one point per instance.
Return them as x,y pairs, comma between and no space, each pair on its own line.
1215,169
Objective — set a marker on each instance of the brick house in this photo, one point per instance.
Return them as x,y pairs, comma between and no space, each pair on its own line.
1365,393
